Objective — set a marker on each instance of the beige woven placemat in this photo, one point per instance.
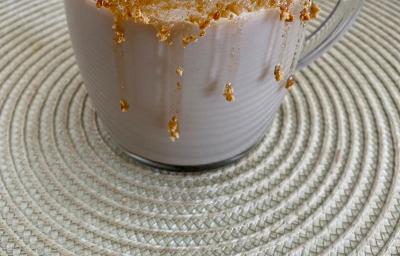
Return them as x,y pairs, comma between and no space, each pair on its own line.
324,181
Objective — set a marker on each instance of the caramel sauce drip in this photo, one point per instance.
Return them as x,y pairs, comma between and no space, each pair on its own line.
229,93
278,73
124,105
290,83
201,13
173,128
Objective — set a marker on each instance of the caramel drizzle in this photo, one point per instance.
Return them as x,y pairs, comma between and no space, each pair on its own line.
229,93
235,39
308,12
136,10
118,41
173,128
311,11
176,57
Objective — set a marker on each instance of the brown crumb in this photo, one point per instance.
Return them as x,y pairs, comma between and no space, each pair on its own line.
164,33
216,15
290,83
291,18
229,92
119,36
178,86
188,40
234,8
179,71
305,15
173,128
99,3
124,105
278,73
314,11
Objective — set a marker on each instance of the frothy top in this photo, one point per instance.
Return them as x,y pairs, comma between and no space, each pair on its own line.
154,11
164,14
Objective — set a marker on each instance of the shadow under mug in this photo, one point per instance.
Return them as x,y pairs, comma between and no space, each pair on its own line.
213,132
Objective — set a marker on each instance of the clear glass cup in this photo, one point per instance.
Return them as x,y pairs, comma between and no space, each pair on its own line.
213,132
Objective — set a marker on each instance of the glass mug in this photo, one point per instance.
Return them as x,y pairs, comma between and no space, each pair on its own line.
213,132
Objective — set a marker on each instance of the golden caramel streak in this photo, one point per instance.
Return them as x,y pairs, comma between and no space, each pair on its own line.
124,105
173,128
229,93
290,83
278,72
179,71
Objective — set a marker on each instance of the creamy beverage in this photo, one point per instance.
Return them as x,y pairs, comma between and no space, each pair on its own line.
188,83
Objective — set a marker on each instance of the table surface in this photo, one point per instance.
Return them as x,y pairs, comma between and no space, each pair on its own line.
324,181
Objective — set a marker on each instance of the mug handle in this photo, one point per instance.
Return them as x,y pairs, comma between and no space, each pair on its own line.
331,29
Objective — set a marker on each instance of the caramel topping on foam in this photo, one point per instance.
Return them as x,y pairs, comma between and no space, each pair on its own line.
202,13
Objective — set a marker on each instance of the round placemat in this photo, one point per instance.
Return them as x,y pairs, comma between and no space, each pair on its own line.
325,180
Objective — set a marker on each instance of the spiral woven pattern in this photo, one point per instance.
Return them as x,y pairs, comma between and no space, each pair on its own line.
324,181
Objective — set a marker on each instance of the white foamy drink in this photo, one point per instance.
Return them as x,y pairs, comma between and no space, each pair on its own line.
221,85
